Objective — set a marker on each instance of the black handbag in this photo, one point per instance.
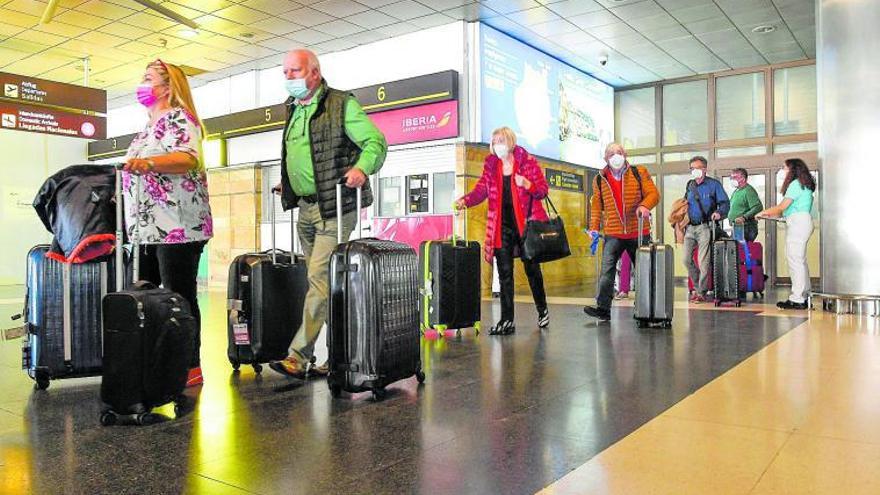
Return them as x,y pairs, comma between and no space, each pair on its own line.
545,241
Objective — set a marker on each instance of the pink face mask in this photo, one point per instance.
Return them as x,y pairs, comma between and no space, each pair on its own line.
145,95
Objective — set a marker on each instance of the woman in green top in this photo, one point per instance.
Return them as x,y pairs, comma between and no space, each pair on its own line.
797,189
744,205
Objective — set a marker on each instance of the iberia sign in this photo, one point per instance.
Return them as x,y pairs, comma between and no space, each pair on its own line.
37,105
421,123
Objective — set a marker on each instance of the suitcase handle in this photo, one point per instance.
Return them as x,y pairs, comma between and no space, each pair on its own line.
120,267
455,214
642,228
273,221
339,186
742,230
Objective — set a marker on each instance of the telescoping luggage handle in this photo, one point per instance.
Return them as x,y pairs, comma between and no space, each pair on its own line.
642,228
339,185
455,215
274,224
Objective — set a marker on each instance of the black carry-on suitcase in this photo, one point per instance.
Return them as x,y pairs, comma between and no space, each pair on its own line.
450,293
149,334
62,314
149,338
373,325
265,298
655,283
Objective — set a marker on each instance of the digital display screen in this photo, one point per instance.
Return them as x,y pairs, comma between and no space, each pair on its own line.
555,110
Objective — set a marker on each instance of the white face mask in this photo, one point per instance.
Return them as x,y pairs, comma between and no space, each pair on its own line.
617,161
697,174
501,150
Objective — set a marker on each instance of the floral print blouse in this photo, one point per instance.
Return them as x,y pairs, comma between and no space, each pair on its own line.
173,207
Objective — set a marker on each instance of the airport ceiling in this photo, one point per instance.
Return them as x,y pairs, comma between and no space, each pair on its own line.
645,40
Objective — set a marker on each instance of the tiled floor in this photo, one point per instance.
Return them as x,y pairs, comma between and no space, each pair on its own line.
798,417
496,415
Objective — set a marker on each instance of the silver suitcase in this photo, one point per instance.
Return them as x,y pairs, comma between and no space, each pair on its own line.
655,283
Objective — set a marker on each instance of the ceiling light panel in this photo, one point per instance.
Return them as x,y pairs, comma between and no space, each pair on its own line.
372,19
307,17
339,8
406,9
571,8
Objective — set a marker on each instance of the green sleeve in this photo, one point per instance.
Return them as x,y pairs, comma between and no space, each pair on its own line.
754,204
361,130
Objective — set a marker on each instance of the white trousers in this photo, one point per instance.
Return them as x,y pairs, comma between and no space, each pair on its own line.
800,228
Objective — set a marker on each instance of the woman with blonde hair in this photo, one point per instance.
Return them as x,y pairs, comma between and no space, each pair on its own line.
514,184
165,190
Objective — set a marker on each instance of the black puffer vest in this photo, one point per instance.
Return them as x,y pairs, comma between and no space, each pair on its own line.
333,154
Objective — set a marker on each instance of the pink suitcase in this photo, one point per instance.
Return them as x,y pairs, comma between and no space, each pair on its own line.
751,268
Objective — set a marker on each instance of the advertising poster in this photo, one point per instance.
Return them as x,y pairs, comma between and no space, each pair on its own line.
556,111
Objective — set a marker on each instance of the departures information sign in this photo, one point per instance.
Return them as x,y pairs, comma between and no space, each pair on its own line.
37,105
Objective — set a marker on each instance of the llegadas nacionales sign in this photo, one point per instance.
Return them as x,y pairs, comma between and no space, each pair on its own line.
36,105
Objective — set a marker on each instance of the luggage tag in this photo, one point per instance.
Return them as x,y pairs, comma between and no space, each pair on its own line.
240,333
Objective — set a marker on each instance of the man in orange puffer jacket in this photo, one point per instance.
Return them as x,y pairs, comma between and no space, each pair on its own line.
621,193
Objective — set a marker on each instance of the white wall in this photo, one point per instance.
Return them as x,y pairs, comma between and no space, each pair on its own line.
27,159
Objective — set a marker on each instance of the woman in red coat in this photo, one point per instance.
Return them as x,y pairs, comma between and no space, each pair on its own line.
514,184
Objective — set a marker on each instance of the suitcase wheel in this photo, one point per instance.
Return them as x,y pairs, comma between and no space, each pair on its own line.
420,376
641,324
258,368
235,365
667,324
108,418
717,304
379,393
42,381
738,304
335,391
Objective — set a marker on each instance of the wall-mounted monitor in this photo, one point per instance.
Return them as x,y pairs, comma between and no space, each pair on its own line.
556,110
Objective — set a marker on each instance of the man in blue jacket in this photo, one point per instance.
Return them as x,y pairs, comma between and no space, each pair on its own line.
707,203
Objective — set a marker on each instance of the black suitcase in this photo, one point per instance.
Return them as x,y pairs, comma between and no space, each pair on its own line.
265,297
373,325
62,313
149,336
450,293
725,271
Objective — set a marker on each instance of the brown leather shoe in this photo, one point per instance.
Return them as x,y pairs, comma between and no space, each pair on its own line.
290,366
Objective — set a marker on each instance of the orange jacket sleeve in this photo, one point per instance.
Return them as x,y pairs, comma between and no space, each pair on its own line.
651,195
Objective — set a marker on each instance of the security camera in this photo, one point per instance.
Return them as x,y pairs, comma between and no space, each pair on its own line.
603,59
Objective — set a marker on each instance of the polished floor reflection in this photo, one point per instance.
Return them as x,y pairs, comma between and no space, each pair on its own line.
496,415
798,417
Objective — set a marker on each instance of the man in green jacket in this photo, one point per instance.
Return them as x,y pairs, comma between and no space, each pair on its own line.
328,137
744,205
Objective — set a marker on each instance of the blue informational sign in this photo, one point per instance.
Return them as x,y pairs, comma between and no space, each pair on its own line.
556,111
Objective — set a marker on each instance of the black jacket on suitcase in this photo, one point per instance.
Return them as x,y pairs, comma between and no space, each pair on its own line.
148,340
373,326
265,301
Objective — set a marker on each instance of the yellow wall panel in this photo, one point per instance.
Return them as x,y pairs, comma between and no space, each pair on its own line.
572,206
